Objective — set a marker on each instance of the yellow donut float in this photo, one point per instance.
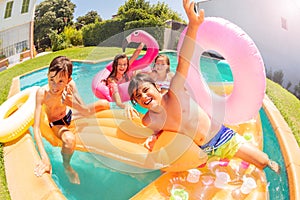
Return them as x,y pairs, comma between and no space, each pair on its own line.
16,114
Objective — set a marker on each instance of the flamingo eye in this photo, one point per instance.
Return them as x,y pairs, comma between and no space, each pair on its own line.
136,33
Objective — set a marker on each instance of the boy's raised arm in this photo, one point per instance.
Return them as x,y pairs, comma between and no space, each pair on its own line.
188,45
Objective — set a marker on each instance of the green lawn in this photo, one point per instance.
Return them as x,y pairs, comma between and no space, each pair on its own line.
287,103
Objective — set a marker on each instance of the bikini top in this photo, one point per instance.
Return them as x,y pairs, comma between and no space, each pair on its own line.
163,84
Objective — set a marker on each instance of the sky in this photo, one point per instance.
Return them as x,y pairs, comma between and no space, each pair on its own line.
107,8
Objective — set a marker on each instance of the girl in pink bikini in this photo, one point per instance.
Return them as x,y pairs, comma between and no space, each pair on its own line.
119,74
161,72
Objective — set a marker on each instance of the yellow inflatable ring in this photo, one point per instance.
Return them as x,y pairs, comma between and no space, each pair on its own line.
16,114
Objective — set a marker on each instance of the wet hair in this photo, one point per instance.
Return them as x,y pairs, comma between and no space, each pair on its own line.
166,58
113,73
135,82
61,64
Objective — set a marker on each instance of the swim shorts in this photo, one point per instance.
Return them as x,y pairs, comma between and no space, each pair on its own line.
225,144
66,120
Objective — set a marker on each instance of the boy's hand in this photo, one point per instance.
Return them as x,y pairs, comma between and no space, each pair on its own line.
42,167
194,18
149,143
130,112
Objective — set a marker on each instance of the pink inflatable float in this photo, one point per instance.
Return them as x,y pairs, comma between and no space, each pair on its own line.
100,89
247,69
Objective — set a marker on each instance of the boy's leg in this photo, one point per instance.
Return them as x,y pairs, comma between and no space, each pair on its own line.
68,146
253,155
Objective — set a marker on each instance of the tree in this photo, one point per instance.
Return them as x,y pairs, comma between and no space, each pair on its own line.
51,15
141,14
163,12
278,77
297,90
89,18
269,73
133,14
135,10
133,4
289,84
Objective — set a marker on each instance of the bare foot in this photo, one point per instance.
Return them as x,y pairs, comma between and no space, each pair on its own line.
274,166
72,175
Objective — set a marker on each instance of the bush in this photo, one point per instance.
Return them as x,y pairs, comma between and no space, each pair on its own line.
73,36
2,56
58,41
111,32
87,35
95,34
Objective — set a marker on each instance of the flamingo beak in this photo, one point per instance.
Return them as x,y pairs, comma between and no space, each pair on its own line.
125,44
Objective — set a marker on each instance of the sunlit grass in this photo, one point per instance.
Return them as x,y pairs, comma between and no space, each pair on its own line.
287,104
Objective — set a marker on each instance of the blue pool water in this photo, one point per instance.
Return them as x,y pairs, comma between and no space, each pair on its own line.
99,180
278,188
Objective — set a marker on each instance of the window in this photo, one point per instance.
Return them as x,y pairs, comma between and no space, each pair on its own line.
8,9
21,46
25,6
16,48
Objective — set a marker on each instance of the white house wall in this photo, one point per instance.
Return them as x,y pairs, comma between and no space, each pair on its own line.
262,20
16,32
17,18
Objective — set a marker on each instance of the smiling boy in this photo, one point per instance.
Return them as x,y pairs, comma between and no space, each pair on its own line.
176,111
57,100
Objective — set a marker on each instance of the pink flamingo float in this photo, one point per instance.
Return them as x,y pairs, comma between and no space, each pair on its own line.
99,87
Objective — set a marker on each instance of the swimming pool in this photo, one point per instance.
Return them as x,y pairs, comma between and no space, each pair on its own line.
84,72
99,180
278,188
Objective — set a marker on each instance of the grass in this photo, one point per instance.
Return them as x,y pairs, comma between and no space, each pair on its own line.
286,102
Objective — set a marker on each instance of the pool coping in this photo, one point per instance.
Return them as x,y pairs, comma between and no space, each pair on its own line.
287,143
21,181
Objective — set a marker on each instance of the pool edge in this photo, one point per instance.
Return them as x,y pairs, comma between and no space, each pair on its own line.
23,148
287,142
288,145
